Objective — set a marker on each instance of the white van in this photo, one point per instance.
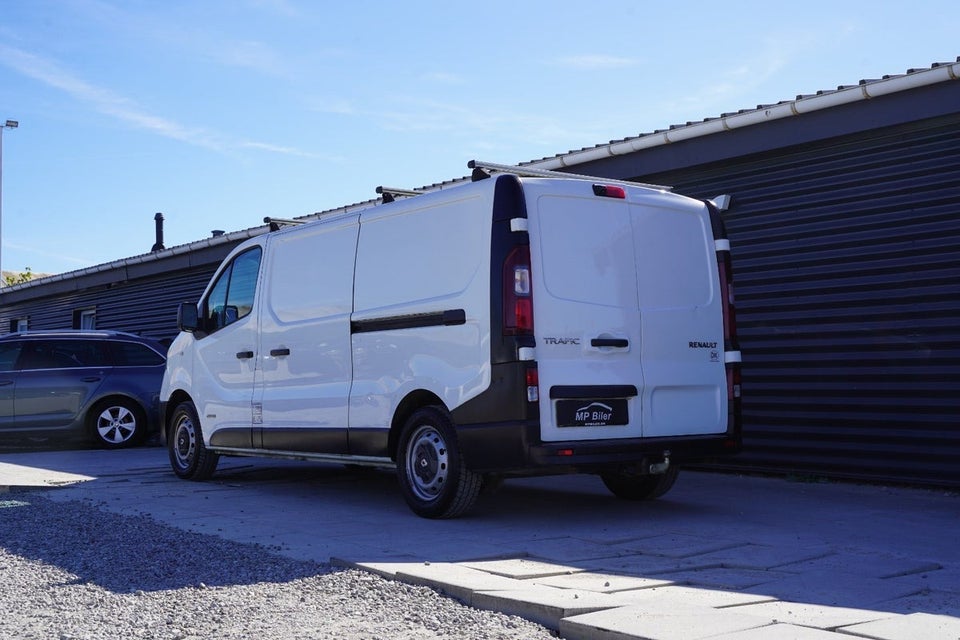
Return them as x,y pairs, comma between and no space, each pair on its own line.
511,325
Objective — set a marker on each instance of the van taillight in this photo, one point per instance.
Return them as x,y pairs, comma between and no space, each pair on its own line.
517,293
726,294
731,346
533,384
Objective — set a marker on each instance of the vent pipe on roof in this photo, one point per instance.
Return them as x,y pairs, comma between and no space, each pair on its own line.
216,233
158,245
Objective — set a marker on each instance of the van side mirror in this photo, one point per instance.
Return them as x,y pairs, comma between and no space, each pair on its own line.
187,317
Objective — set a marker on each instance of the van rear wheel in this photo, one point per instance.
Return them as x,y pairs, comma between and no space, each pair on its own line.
433,478
189,457
633,486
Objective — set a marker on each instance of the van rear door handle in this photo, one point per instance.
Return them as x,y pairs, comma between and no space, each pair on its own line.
244,355
280,352
620,343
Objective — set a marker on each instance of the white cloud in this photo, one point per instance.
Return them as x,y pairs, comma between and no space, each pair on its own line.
597,62
443,77
125,110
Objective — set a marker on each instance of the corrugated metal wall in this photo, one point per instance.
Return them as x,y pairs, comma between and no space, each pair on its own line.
847,271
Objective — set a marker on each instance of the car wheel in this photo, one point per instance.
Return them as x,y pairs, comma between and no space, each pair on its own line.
189,457
433,478
632,486
117,423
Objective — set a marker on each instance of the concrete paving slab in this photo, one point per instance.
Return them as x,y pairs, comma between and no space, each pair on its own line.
782,631
523,568
763,556
676,545
600,582
386,567
812,615
648,566
456,580
946,578
909,627
651,623
568,549
837,589
723,578
939,602
674,596
27,476
545,605
872,565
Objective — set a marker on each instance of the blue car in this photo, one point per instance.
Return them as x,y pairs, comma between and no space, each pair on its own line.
102,386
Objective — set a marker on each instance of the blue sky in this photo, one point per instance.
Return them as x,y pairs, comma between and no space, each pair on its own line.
220,112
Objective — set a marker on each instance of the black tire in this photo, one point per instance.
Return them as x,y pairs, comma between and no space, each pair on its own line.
631,486
189,457
433,478
116,423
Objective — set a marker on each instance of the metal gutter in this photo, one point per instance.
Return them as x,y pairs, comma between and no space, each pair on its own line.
865,90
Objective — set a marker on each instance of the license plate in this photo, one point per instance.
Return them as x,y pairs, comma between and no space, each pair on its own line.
592,413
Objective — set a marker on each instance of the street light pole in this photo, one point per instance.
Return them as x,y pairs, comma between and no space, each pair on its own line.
9,124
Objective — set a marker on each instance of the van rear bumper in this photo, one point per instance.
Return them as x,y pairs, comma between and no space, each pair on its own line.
685,449
516,448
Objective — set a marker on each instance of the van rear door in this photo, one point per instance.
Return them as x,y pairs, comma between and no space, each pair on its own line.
628,320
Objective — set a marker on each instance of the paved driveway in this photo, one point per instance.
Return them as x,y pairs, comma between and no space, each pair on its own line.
719,556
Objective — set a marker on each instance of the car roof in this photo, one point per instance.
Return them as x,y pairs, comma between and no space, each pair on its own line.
77,333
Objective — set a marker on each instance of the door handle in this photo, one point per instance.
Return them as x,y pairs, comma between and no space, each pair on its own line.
280,352
619,343
91,379
244,355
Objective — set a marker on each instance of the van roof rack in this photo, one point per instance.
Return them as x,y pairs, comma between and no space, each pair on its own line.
390,194
276,223
481,171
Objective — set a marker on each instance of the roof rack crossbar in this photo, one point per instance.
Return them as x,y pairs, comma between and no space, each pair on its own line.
276,223
546,173
390,193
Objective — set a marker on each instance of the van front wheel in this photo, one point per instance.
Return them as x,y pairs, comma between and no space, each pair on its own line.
189,457
631,486
433,479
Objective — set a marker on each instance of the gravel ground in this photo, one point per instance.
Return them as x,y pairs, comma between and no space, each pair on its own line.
69,571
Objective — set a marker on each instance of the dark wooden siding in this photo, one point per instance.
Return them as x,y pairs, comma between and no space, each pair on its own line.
847,269
146,306
140,295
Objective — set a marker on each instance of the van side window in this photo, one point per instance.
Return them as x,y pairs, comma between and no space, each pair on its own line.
231,297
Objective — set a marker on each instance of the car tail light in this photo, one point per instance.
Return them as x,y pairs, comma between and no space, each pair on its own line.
517,293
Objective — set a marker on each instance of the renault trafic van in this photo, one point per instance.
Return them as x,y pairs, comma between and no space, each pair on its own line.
510,325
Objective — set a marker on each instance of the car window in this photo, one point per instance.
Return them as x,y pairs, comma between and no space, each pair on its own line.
134,354
8,355
62,354
231,297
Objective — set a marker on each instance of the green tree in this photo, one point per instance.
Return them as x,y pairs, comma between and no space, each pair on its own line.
18,278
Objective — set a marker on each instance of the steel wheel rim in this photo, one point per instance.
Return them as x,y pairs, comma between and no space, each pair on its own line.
427,463
184,442
116,425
